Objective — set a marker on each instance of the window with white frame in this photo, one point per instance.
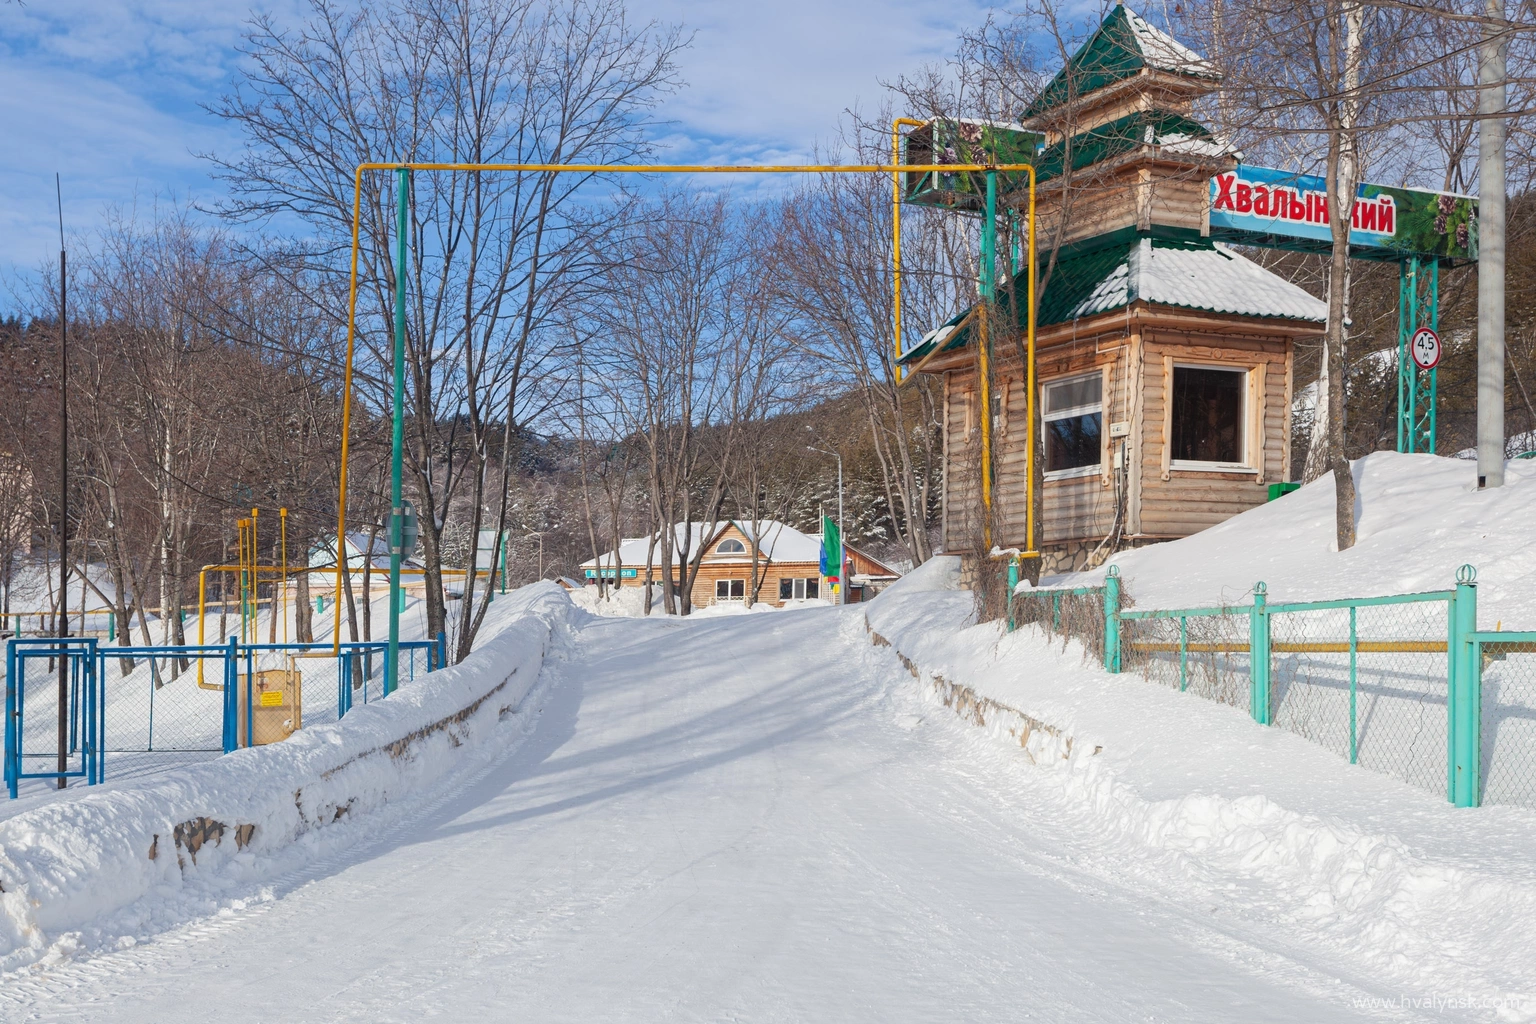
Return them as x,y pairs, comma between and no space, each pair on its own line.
730,590
1073,419
730,546
1207,415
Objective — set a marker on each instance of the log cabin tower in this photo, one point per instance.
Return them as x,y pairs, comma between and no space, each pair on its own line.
1164,359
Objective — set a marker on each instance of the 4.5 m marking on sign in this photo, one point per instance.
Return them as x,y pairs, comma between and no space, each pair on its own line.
1425,348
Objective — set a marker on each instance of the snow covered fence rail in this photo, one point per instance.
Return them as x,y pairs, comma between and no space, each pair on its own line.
88,861
1374,680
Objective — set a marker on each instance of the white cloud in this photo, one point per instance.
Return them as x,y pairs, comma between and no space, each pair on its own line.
109,91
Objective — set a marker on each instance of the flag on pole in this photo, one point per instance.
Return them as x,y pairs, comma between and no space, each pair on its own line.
831,550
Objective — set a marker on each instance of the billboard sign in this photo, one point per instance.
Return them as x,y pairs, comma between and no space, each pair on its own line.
1282,209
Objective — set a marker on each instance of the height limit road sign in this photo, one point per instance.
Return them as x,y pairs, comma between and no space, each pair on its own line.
1425,348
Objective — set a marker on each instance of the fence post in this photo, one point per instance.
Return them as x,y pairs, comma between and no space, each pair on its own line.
1013,581
1465,687
1354,679
10,717
442,649
1258,655
1112,619
231,674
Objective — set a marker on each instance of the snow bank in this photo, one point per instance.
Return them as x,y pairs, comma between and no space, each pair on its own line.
1254,823
109,860
1419,517
627,601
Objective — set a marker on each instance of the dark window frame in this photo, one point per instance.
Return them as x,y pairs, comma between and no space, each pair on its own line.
1201,446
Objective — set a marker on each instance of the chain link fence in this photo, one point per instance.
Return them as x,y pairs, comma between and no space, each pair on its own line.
1372,679
1370,682
1205,654
1508,747
1075,614
166,707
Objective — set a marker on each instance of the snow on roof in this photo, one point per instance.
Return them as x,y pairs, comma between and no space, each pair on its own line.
1160,50
1216,279
778,542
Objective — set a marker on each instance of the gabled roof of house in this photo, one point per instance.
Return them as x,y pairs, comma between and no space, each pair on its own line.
777,542
1120,48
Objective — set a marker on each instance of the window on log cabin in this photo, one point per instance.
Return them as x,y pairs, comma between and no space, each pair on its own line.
730,590
1208,415
799,589
730,546
1073,419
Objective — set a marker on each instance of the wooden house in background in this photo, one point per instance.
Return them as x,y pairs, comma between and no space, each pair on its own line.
1164,359
788,567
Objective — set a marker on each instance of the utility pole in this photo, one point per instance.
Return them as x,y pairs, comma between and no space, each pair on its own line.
1490,249
842,538
63,491
397,442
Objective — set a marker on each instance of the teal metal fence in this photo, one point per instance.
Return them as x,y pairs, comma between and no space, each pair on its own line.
1403,684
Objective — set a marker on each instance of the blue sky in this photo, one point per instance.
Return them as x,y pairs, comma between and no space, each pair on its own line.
108,92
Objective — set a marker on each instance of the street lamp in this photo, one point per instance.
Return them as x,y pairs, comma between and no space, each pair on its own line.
842,542
540,535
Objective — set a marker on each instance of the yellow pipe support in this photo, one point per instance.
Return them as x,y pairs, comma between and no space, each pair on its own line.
1029,359
1320,647
893,168
202,592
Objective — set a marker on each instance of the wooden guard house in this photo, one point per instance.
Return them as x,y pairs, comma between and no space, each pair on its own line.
1164,359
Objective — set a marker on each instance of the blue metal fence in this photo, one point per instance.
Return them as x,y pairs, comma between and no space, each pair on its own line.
169,708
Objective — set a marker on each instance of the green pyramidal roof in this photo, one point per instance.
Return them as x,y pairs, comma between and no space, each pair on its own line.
1123,45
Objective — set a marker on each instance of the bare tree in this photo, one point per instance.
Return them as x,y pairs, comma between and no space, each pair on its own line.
494,257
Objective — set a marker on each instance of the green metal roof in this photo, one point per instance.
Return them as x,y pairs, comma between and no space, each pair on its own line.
1123,44
1144,127
1189,274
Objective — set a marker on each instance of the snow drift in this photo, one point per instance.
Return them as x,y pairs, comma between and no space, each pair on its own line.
1195,798
1418,517
73,863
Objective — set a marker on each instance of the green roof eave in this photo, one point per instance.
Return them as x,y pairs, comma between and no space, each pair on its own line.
1116,138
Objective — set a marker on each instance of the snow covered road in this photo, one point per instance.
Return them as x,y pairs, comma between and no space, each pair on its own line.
724,819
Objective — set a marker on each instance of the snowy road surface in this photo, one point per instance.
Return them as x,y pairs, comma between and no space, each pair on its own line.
727,819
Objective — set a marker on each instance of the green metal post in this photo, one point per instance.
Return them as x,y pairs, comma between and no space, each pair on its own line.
1418,297
1258,655
1354,652
1013,581
1465,680
1183,653
1112,619
989,242
397,440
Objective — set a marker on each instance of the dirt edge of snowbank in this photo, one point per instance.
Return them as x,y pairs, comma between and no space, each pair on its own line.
1040,740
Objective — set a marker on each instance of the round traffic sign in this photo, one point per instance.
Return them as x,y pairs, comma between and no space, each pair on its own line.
1425,348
